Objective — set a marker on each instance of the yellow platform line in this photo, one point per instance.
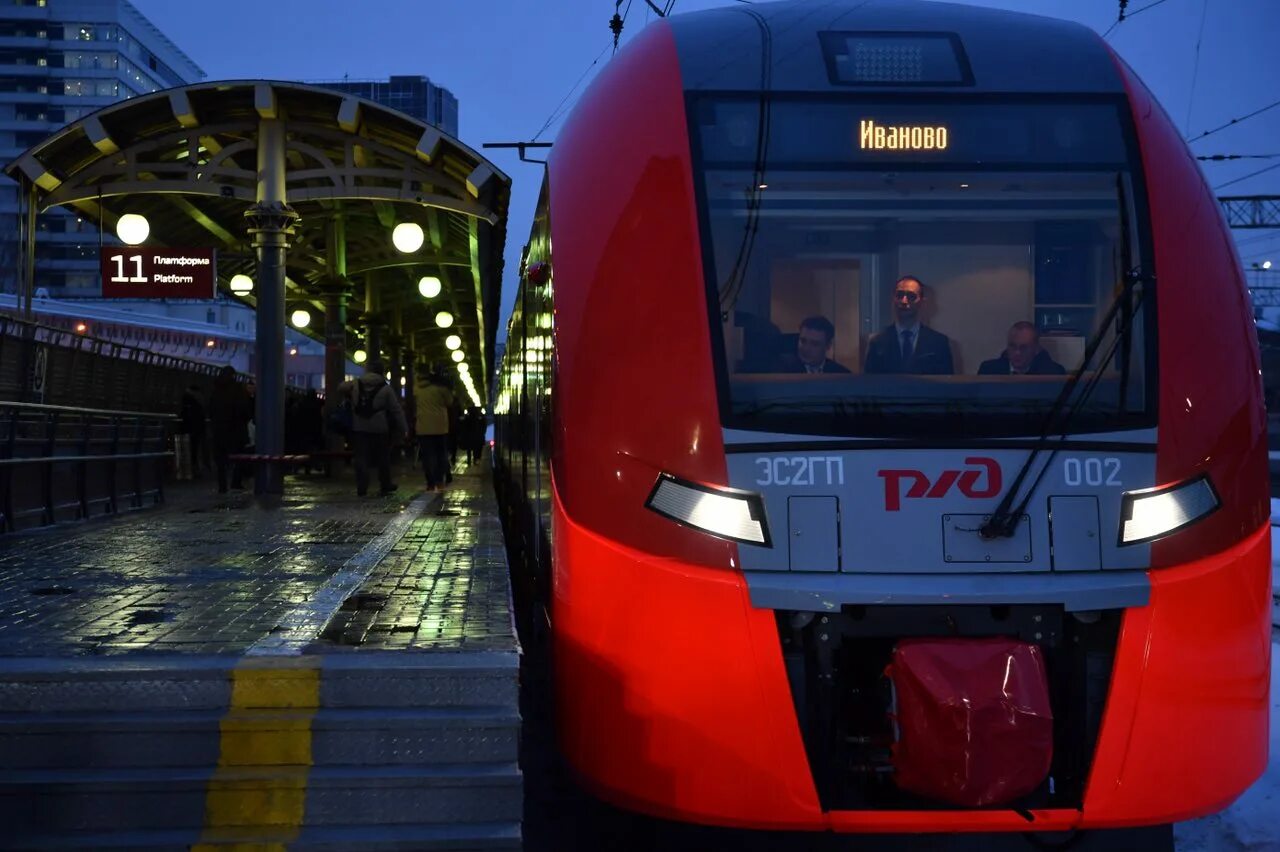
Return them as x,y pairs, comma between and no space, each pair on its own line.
256,800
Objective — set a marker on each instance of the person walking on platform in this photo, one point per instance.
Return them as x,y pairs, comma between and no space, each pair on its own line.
434,399
310,416
451,440
193,424
471,434
230,410
376,420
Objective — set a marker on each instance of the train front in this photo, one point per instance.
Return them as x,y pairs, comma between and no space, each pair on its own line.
909,464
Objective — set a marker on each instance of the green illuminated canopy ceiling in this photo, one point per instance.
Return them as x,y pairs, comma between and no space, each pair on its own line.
186,159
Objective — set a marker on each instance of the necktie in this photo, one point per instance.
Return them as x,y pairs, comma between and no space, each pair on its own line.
906,345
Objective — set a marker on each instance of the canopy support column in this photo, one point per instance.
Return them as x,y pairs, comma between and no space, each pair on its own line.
337,290
395,351
27,228
372,318
336,294
271,221
410,406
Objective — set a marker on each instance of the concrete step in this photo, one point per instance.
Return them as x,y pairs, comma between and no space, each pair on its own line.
360,737
43,803
189,682
471,837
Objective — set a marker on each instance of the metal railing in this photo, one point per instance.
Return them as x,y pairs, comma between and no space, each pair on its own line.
57,366
59,463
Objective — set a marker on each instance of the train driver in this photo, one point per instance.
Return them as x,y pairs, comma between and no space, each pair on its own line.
812,345
908,345
1023,356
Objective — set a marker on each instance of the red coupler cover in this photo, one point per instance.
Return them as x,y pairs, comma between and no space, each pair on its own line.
973,717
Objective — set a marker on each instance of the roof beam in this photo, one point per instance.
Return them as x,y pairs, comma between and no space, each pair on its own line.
38,174
98,135
429,144
386,214
349,115
479,179
437,261
433,228
227,238
264,101
180,104
212,145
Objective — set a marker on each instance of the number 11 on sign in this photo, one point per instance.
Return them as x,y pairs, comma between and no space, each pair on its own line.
120,277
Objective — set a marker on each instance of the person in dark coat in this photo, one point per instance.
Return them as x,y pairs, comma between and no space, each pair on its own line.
471,434
310,425
908,345
1023,356
230,410
192,416
812,345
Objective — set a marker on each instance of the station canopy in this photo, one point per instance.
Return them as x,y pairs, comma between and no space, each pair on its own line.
186,158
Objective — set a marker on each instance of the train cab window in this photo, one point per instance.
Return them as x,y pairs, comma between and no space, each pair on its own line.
923,292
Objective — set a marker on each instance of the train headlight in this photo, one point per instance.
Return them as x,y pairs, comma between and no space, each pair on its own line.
723,512
1155,512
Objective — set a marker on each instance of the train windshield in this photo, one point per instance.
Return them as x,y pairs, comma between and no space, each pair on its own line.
925,269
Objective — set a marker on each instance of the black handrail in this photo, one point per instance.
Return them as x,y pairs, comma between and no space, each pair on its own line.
39,406
50,436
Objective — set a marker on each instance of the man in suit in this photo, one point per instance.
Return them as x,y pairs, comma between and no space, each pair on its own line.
812,345
1023,356
909,346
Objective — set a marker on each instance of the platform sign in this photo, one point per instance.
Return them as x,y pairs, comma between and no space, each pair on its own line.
130,272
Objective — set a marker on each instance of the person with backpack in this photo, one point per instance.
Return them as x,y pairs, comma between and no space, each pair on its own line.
376,419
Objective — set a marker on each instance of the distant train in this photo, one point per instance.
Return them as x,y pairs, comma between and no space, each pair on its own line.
881,435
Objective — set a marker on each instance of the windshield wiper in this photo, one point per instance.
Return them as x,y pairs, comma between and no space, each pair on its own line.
1004,520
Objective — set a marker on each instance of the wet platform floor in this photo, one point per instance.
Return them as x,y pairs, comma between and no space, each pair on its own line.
323,571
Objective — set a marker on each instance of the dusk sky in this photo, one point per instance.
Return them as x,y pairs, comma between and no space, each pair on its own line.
512,62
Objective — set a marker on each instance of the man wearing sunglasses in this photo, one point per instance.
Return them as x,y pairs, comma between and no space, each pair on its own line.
908,345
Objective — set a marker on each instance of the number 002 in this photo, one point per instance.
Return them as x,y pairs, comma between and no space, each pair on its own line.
1091,471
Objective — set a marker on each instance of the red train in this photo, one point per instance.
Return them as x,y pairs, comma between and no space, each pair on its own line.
884,437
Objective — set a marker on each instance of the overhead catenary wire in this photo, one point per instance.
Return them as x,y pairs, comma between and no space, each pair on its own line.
559,107
1246,177
1195,71
1235,121
1137,12
1122,17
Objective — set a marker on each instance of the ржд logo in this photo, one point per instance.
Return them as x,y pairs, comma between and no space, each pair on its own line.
921,486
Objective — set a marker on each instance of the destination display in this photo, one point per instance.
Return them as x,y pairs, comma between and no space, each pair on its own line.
807,132
129,272
873,136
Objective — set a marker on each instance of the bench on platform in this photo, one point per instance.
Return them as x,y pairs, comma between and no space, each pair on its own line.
322,459
288,459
